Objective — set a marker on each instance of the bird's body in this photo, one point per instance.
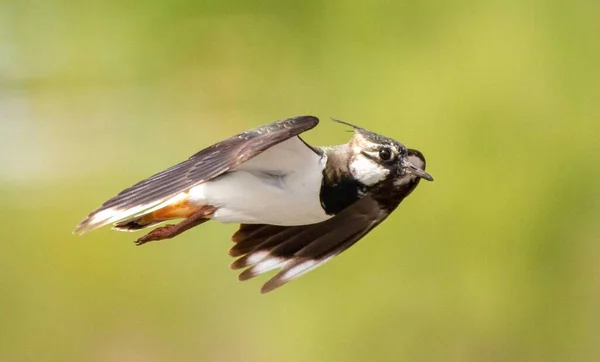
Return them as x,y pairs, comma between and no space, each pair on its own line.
298,205
279,187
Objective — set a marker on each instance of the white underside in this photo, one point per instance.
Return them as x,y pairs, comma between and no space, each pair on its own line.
281,186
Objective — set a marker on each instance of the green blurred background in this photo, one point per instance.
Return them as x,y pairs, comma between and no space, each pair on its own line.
497,260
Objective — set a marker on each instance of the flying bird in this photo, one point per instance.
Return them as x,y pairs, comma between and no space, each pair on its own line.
298,205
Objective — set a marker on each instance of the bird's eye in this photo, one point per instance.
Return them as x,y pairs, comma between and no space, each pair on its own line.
385,154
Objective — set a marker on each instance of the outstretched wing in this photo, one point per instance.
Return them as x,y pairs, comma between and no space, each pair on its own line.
201,167
297,250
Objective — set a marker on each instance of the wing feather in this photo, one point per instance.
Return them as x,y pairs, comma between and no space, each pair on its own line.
201,167
296,250
299,249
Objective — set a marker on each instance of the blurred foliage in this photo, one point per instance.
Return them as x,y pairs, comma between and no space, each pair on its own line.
497,260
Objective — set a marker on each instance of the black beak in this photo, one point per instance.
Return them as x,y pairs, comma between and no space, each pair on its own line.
411,169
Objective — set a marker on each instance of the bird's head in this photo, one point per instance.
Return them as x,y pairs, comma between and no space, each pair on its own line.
375,158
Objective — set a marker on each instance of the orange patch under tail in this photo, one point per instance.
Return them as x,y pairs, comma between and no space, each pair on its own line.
179,210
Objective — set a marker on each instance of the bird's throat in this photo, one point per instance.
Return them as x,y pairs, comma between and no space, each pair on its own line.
338,188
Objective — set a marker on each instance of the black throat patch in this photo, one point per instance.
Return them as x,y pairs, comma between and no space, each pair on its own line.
338,194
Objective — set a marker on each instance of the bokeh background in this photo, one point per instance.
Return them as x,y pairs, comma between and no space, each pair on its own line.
497,260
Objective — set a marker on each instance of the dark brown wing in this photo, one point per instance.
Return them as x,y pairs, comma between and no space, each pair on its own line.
201,167
297,250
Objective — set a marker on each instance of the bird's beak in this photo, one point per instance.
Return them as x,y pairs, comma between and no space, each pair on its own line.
411,169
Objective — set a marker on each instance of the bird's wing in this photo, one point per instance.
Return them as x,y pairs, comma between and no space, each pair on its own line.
296,250
201,167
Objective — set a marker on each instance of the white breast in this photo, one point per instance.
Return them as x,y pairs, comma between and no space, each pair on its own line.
281,186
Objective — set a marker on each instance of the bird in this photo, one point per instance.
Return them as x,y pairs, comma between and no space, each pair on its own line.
298,205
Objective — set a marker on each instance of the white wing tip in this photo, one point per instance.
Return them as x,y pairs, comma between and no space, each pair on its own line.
99,219
111,215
